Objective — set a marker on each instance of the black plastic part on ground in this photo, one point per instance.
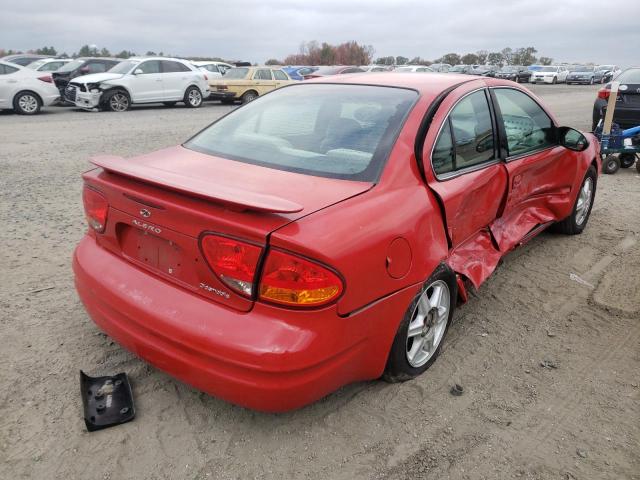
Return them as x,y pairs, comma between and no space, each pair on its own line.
107,401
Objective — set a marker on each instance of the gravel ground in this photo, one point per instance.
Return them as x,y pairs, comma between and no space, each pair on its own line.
572,303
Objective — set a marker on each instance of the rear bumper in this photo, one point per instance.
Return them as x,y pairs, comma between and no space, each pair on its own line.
268,359
216,95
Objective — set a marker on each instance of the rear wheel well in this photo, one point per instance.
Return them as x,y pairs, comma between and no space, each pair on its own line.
27,91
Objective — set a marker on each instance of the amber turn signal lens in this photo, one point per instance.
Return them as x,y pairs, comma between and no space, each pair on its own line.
291,280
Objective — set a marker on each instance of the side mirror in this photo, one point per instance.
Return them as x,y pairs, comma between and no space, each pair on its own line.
572,139
138,71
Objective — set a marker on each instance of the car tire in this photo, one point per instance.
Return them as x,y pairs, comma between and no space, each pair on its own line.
27,103
638,166
193,97
611,164
555,80
517,79
116,101
627,160
169,104
435,303
249,96
575,223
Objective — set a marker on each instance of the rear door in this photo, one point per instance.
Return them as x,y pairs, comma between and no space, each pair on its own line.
280,77
469,177
541,173
146,85
8,85
263,80
176,77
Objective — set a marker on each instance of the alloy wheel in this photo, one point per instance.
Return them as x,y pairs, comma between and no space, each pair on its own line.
585,197
195,97
28,103
428,323
119,102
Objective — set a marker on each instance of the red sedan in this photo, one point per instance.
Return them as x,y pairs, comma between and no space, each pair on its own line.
324,233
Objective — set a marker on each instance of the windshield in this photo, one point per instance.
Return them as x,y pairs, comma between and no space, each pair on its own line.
327,130
124,67
606,67
237,73
35,65
582,68
629,76
548,69
71,66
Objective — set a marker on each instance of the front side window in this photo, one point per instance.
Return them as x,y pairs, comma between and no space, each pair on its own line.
466,139
152,66
527,125
280,75
327,130
262,74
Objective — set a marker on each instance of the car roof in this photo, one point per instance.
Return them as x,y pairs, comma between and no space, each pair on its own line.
427,85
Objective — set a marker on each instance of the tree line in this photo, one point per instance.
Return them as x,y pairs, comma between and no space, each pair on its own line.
506,56
347,53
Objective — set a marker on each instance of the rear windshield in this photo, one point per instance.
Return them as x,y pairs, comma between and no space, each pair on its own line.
327,130
629,76
236,73
582,68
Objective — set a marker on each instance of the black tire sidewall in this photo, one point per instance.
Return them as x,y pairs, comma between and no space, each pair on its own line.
611,165
591,173
627,160
398,367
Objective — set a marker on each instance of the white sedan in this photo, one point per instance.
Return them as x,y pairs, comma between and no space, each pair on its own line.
550,74
24,90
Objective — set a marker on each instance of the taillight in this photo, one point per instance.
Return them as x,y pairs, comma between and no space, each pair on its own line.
291,280
46,78
95,208
233,261
604,93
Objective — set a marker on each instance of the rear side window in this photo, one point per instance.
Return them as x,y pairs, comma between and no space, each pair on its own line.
172,67
152,66
236,73
212,68
466,139
262,74
526,124
6,69
280,75
327,130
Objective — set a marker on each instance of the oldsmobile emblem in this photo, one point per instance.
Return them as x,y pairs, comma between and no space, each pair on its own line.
145,213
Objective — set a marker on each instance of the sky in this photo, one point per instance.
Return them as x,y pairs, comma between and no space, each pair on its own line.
566,30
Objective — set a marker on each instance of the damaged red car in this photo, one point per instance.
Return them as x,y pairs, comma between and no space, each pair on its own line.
324,233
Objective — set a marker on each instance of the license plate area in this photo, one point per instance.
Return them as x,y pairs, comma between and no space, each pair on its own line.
151,250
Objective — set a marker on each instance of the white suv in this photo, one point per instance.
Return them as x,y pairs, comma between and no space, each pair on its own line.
550,74
140,80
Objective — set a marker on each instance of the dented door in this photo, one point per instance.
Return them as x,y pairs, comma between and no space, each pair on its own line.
540,172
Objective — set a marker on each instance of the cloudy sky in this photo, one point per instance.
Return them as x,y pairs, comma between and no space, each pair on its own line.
567,30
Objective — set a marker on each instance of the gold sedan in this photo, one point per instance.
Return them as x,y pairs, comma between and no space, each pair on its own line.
246,83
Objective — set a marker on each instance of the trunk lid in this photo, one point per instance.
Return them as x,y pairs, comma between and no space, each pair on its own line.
161,203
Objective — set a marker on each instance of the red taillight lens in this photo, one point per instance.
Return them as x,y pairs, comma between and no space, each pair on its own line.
604,93
46,78
233,261
291,280
95,208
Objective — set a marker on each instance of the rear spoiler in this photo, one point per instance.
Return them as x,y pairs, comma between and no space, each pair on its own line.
234,198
